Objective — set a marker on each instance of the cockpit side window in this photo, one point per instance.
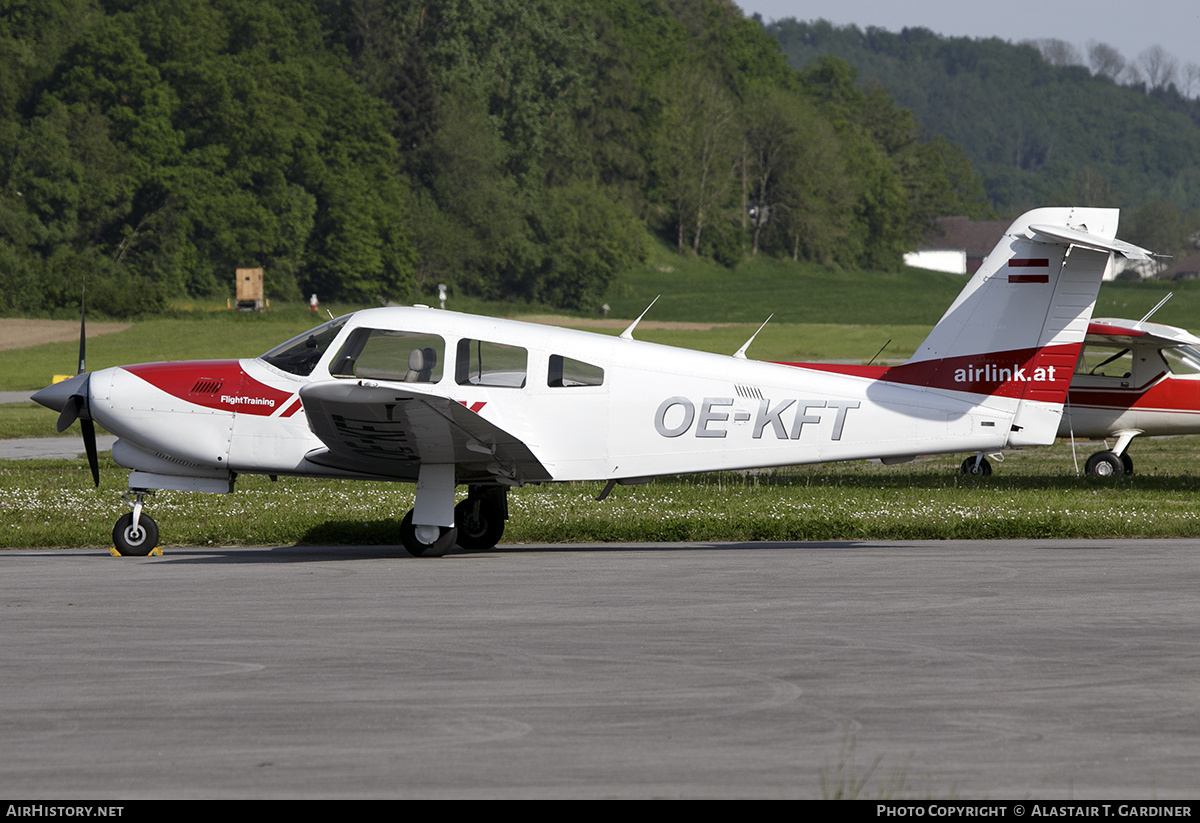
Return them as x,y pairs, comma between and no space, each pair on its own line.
481,363
567,373
400,356
1105,361
301,354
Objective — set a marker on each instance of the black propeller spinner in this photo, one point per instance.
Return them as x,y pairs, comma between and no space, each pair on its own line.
72,400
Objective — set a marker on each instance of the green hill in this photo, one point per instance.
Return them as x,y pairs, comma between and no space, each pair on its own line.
1039,134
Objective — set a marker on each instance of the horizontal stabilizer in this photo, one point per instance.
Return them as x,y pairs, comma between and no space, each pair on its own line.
1061,234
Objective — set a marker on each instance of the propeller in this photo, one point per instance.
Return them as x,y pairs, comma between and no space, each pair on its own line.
71,398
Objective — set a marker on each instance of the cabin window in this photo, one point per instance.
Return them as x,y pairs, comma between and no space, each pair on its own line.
1182,360
1105,361
481,363
399,356
301,354
568,373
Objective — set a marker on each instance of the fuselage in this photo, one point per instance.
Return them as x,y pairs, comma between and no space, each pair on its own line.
588,406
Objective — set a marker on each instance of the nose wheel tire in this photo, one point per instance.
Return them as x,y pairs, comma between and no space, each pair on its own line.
417,547
131,542
1106,464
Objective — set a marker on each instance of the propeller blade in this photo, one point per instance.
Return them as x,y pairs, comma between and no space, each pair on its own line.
82,333
71,398
70,413
89,445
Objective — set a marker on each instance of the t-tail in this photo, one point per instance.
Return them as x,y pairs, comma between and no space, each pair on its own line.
1015,332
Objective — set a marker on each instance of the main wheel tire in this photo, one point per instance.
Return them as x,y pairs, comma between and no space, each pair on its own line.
1127,461
983,469
135,543
417,548
1105,464
480,524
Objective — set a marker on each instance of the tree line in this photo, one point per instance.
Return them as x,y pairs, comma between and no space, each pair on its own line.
1041,128
367,150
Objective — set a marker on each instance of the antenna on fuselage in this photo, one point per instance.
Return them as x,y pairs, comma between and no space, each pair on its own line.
881,348
1157,306
628,333
740,354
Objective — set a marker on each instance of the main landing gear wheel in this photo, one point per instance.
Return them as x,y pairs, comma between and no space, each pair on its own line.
480,522
417,547
1107,464
981,469
131,542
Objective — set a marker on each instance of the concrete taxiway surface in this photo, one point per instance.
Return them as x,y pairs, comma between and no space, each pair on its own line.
997,670
44,448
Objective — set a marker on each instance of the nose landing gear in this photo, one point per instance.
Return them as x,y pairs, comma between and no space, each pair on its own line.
136,534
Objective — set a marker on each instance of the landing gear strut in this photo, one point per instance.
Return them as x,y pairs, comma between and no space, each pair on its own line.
135,534
428,530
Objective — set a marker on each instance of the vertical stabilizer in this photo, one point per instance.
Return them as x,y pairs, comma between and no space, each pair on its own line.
1016,330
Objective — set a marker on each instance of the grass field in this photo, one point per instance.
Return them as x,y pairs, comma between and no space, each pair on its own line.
1034,493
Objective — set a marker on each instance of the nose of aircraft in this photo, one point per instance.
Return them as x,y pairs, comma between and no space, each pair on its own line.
71,399
57,395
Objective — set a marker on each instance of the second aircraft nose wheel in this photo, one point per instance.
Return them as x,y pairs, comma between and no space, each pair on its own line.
1108,464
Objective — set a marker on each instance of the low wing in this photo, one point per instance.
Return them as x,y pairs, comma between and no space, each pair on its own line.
391,431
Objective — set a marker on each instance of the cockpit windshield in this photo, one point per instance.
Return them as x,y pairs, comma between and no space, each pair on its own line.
1182,359
301,354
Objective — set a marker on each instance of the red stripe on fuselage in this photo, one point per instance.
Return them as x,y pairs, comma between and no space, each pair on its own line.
213,384
1038,374
1166,393
292,407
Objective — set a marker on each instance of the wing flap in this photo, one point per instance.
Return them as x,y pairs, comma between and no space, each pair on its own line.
389,432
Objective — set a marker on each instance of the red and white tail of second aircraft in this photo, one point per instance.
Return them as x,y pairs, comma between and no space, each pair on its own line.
445,399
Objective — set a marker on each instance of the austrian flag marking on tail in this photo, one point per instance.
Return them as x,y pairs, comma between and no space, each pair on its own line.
1027,264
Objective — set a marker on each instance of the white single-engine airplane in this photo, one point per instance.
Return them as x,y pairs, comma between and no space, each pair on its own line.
447,399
